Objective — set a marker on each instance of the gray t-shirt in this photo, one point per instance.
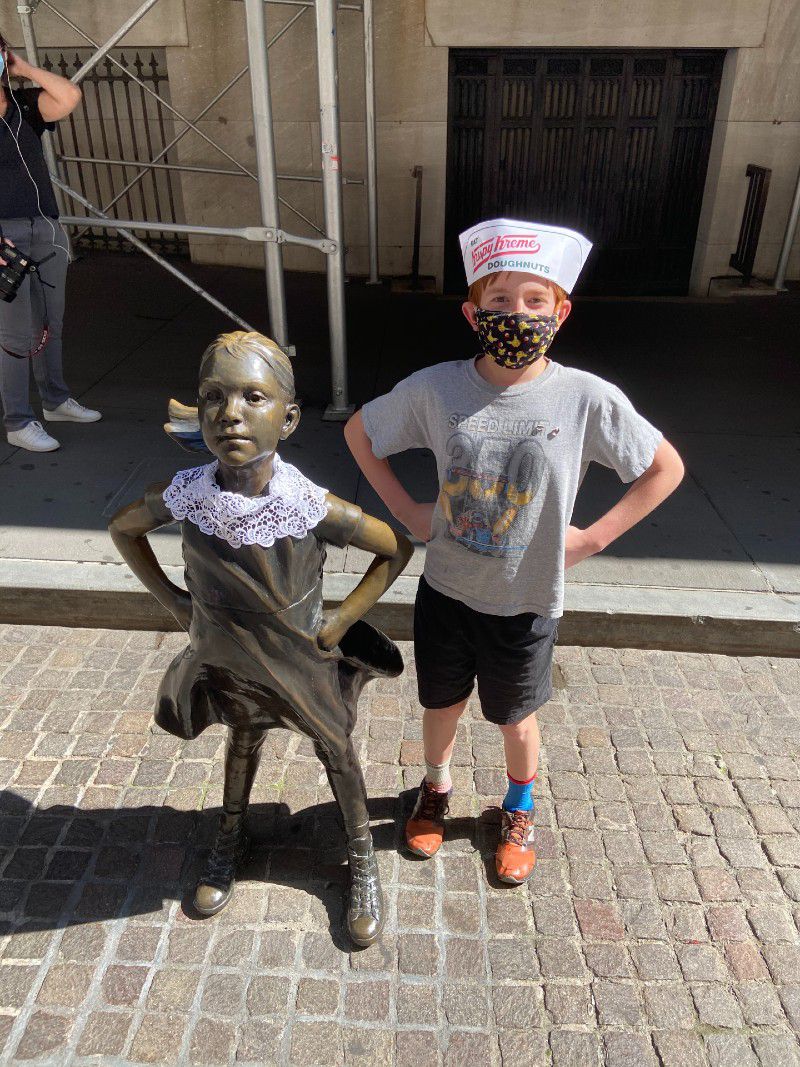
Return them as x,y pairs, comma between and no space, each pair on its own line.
510,462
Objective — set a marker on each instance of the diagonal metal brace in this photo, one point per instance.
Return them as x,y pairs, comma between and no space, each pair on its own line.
104,49
174,111
190,125
169,267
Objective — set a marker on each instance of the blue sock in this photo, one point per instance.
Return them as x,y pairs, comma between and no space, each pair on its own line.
520,795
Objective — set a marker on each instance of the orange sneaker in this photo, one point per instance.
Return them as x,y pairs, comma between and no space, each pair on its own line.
425,827
515,857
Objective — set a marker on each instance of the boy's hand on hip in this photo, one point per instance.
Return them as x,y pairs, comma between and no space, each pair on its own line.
578,545
418,519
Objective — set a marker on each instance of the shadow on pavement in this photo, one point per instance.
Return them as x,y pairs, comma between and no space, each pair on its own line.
73,867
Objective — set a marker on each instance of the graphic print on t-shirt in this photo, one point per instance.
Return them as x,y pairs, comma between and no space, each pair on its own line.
491,476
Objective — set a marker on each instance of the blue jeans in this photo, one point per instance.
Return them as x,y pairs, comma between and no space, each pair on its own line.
21,323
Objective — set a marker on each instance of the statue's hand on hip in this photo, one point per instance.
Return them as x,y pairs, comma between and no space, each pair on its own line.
332,630
182,610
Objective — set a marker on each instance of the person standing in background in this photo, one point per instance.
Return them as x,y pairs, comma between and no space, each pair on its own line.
30,325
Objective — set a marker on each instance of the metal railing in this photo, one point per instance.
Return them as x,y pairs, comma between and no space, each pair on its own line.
745,255
329,241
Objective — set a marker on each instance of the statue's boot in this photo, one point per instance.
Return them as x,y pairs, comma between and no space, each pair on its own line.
242,755
366,911
215,888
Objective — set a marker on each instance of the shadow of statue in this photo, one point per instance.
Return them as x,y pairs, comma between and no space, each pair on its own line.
68,866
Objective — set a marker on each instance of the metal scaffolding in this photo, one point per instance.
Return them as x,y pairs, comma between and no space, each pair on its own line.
329,240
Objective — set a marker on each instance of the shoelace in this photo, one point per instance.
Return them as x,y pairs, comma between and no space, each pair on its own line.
433,806
221,866
517,828
364,892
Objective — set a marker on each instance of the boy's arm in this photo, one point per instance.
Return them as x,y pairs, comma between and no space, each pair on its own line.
415,517
129,529
392,552
661,478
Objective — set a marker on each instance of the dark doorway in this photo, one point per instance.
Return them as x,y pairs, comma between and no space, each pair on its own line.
612,143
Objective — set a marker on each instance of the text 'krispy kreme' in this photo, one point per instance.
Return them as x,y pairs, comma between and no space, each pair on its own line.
507,242
551,252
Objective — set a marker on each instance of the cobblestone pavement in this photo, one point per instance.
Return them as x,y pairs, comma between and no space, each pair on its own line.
660,927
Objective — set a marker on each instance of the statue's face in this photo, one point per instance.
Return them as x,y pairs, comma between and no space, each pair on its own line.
243,413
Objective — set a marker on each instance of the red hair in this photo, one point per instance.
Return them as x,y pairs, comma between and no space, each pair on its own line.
478,288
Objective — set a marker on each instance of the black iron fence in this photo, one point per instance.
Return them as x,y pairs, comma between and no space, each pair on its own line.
116,125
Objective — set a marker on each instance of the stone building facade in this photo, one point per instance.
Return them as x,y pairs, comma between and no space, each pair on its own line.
756,118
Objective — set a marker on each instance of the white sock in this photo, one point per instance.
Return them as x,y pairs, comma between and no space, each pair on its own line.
437,775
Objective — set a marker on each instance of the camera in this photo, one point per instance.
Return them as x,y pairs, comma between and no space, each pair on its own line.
18,265
12,275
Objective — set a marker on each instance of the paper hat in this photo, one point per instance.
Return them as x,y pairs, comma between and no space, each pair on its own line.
552,252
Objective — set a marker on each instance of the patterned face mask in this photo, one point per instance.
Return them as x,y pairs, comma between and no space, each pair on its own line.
515,340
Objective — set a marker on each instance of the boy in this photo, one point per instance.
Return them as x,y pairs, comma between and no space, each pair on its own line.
512,432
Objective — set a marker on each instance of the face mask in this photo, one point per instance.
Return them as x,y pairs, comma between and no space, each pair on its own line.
2,64
514,340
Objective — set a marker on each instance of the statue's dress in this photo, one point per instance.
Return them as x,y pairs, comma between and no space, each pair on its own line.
253,660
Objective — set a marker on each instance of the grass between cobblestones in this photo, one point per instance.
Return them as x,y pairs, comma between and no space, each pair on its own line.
661,925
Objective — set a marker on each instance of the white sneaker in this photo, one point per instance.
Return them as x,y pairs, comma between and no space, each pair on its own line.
71,411
34,437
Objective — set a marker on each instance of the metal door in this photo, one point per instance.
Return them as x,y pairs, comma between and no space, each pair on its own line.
612,143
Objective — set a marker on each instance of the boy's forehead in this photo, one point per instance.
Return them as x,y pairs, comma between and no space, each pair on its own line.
515,279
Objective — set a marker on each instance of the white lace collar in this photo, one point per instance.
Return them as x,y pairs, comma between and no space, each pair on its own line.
293,506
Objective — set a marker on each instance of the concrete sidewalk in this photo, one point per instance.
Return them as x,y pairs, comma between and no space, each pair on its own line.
716,569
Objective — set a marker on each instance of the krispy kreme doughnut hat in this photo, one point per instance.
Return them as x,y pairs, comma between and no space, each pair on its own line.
551,252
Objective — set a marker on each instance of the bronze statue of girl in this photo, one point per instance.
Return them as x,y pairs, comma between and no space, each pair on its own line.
262,652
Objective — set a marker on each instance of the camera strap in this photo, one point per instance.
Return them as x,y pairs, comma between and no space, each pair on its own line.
44,337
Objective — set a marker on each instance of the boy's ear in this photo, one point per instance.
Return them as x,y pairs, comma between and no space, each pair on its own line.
290,421
564,311
469,309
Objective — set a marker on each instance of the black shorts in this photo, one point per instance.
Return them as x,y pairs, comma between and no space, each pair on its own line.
511,656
